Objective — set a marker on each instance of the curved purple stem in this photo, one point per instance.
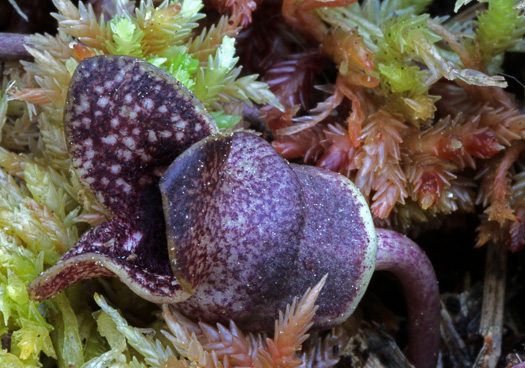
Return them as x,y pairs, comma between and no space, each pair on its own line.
400,255
12,46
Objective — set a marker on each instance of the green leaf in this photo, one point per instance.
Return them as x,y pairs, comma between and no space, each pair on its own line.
164,24
499,28
180,64
32,338
225,121
391,8
10,360
108,329
401,77
212,79
152,350
248,90
127,37
67,337
157,61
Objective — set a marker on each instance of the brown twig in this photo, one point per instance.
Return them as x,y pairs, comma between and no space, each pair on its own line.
12,47
491,325
452,340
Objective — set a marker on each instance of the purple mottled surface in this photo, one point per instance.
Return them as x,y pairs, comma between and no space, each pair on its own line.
96,259
234,213
337,240
248,233
233,222
135,252
125,119
405,259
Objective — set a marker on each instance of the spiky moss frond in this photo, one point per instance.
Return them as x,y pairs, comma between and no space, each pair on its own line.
31,237
160,34
50,73
378,163
306,144
121,336
515,239
318,114
499,28
503,202
169,23
17,120
127,38
290,330
459,140
206,43
20,316
428,176
400,39
457,198
400,42
495,190
210,81
81,23
412,39
204,345
31,221
411,55
292,81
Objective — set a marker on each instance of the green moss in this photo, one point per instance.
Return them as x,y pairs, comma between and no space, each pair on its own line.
499,28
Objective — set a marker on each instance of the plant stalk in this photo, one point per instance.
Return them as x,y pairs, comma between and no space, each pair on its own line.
12,47
400,255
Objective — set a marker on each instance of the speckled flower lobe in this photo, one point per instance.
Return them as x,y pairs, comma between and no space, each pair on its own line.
123,118
338,239
247,232
234,218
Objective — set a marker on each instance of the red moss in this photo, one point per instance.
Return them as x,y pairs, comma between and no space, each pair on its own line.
292,81
305,145
429,176
482,143
334,159
515,240
267,41
241,10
